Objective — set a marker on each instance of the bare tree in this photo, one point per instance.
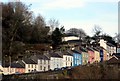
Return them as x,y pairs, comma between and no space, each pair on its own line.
97,30
53,23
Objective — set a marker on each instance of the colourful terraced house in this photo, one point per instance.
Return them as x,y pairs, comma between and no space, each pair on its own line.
85,56
77,57
91,55
97,55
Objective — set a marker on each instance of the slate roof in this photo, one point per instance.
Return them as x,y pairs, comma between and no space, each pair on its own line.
36,57
53,54
113,60
96,49
70,34
117,55
29,61
76,51
90,49
83,49
110,44
14,65
67,53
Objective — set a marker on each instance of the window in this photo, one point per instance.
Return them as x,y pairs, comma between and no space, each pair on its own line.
44,61
35,66
40,61
31,66
28,66
44,68
40,67
48,66
66,58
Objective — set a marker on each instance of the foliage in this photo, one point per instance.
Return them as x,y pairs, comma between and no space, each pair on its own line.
79,32
57,37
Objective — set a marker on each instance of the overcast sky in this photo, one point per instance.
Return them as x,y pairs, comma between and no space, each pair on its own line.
79,13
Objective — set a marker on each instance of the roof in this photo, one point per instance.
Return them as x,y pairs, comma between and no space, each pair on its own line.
83,49
110,44
29,61
70,34
73,41
14,65
96,49
76,51
20,62
67,53
117,55
90,49
36,57
113,60
53,54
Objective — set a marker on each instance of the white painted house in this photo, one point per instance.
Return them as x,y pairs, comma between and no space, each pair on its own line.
67,59
42,61
69,37
108,46
56,60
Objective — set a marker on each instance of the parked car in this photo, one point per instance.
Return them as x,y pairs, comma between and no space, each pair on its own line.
56,69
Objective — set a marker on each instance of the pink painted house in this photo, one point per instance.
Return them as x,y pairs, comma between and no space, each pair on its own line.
91,55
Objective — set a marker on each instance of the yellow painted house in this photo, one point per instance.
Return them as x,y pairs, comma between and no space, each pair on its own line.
97,55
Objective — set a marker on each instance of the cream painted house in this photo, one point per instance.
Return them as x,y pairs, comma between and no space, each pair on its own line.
42,61
97,55
29,64
56,60
67,59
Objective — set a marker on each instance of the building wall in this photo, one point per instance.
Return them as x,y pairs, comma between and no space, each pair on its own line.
77,59
91,56
30,67
85,58
97,56
101,55
20,70
67,60
103,43
56,62
43,65
70,38
6,70
105,55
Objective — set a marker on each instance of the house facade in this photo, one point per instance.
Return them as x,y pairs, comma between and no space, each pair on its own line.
109,47
29,64
91,55
70,36
67,59
42,61
13,69
85,56
56,60
77,57
97,55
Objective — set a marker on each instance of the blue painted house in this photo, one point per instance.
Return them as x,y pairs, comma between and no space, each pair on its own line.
77,57
101,55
